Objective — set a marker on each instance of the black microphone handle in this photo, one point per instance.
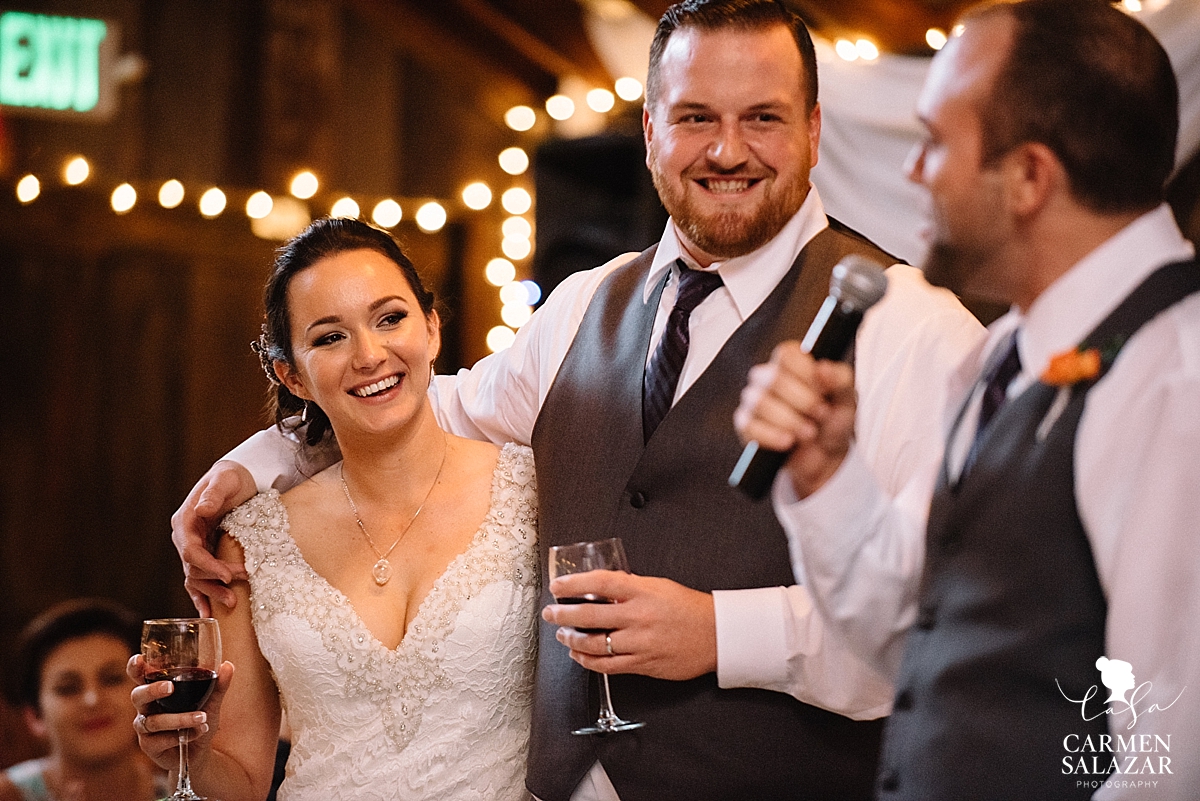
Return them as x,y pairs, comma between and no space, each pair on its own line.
755,471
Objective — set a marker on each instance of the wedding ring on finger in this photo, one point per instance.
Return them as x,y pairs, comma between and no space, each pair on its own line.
608,645
139,725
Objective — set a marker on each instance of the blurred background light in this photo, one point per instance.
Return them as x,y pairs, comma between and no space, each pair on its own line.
170,194
123,198
387,213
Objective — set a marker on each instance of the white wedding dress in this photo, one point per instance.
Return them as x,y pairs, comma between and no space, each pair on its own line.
445,715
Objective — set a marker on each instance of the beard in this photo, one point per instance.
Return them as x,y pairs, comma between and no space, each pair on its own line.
730,233
949,266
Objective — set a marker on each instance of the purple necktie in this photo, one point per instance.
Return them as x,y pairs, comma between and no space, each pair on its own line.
995,393
662,374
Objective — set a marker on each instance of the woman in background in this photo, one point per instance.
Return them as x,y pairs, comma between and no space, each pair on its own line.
73,691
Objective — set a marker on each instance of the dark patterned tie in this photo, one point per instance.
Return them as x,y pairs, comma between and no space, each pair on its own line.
662,374
995,393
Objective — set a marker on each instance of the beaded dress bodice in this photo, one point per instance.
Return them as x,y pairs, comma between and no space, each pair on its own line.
443,716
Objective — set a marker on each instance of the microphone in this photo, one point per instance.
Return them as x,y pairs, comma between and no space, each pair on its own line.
856,285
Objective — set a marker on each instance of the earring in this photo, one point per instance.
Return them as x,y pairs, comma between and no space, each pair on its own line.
304,413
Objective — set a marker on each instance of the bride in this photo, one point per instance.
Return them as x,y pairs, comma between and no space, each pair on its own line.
391,600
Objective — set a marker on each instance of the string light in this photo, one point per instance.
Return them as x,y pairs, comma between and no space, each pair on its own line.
344,207
516,200
387,213
212,203
846,49
935,38
514,293
499,272
500,337
123,198
478,196
28,189
520,118
533,292
516,249
516,228
514,160
259,205
600,100
560,107
431,217
76,171
628,89
515,315
304,185
170,194
866,49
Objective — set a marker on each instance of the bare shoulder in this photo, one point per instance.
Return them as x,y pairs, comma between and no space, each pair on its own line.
472,457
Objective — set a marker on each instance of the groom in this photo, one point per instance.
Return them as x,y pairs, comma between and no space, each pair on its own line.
627,404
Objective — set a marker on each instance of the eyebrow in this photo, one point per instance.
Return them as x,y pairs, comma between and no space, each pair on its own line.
333,318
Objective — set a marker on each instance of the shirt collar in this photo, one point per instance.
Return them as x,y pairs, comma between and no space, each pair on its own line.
749,278
1079,300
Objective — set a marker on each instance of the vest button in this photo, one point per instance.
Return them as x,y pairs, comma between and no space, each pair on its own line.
926,617
904,701
637,500
889,782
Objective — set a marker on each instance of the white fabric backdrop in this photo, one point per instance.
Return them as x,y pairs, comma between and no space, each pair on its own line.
869,127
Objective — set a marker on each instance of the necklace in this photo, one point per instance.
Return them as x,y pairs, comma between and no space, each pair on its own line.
382,571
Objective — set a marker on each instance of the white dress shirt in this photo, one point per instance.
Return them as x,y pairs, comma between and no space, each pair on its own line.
767,638
860,546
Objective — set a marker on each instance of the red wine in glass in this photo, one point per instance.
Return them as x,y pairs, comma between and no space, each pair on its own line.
185,651
587,599
192,688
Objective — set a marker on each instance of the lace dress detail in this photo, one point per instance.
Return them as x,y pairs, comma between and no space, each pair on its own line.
443,716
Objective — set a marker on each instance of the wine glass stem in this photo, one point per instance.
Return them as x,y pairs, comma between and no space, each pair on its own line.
183,788
606,707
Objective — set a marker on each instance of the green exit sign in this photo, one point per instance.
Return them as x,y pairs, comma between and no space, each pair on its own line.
56,65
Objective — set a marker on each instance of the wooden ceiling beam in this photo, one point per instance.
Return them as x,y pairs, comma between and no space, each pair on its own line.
439,47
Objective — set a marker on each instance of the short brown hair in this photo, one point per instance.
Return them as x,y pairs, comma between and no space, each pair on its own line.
69,620
711,15
1092,84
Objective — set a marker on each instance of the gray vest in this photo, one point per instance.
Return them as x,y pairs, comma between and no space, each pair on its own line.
1010,606
670,503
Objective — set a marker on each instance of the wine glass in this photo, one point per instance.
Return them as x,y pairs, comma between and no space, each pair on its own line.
187,652
582,557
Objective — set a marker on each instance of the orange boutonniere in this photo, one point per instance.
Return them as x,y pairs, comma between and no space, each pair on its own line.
1072,366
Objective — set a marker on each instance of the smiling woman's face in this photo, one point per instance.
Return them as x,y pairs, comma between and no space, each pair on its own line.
361,346
86,713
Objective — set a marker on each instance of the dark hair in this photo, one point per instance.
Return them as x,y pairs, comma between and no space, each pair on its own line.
65,621
711,15
1092,84
325,237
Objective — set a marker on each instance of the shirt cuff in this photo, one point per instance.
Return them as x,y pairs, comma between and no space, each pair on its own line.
270,456
751,638
850,501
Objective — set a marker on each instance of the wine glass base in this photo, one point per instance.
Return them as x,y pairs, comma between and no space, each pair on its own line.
610,726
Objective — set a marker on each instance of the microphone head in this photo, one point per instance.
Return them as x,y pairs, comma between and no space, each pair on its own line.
857,282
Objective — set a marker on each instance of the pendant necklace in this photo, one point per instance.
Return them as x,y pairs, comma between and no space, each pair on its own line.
382,571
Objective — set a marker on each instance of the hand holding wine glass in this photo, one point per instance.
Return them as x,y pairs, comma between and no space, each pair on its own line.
583,557
187,653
